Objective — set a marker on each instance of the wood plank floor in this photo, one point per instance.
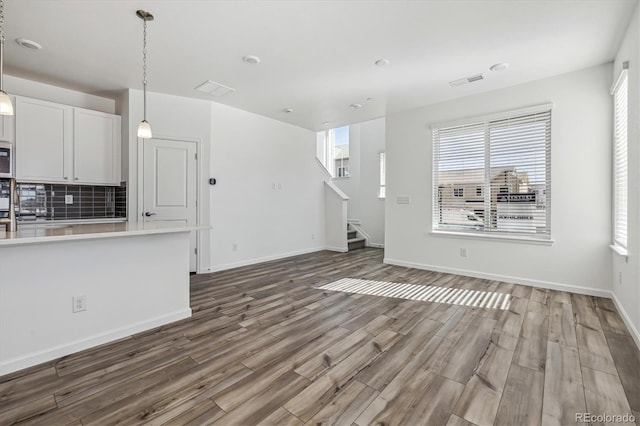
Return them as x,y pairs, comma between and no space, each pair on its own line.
264,346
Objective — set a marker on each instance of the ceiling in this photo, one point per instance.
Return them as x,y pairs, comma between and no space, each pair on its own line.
317,57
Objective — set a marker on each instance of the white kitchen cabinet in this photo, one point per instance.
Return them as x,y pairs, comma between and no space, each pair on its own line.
96,147
44,141
57,143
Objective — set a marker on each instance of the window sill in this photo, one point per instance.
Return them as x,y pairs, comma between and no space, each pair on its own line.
493,237
620,250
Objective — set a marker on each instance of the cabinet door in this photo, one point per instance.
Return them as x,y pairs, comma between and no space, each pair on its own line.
96,147
44,141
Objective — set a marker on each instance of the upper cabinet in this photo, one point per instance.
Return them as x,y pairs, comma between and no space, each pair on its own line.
44,141
96,147
57,143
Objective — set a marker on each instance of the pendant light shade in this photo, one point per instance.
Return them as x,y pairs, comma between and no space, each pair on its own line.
144,129
6,107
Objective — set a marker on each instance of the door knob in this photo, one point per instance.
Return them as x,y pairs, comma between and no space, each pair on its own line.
147,214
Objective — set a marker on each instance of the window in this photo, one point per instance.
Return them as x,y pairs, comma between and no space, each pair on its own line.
510,155
620,156
332,150
383,178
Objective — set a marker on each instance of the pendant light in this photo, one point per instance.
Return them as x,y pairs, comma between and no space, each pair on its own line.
6,107
144,129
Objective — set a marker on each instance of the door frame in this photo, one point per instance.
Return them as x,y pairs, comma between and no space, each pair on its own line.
199,171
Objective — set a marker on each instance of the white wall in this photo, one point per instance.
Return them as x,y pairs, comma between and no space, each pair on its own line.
366,141
579,258
351,185
33,89
335,217
250,155
626,275
372,143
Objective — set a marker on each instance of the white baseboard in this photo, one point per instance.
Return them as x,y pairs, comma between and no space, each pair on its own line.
49,354
515,280
248,262
338,249
376,245
627,320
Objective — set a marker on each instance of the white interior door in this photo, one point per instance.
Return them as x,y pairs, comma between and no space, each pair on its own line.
169,184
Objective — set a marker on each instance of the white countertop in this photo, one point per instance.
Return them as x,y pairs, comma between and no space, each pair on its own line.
48,232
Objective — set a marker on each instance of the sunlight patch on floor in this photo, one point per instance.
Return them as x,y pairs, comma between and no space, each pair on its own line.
424,293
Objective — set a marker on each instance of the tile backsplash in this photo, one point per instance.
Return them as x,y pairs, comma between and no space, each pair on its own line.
40,201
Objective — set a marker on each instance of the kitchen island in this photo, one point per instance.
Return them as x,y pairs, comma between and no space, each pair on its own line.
71,287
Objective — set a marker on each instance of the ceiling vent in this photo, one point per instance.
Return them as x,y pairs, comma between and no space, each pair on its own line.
466,80
214,89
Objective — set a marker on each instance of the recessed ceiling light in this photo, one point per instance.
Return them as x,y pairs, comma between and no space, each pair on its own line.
355,106
28,44
287,110
382,62
499,67
251,59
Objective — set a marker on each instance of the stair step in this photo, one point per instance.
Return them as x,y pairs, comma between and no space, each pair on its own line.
351,233
355,243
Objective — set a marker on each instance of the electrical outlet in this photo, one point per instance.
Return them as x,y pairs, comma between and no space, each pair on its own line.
79,304
463,252
234,247
68,199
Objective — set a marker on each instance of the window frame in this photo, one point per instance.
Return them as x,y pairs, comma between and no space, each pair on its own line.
483,234
620,242
382,164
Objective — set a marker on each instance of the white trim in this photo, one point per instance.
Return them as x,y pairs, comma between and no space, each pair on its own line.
323,169
617,83
493,116
248,262
627,321
337,190
376,245
337,249
505,278
620,250
496,237
35,358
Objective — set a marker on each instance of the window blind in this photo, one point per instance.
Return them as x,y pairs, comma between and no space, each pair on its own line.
493,175
620,158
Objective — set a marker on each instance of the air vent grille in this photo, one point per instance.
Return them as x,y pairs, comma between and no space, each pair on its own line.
466,80
214,89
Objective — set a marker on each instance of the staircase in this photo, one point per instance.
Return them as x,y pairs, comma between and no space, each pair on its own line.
353,241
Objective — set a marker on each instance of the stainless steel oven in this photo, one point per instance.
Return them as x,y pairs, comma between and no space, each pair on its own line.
6,160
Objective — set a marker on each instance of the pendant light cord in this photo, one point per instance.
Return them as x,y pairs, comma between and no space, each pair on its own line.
144,63
1,43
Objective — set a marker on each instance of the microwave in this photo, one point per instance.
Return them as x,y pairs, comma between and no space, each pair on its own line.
6,160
